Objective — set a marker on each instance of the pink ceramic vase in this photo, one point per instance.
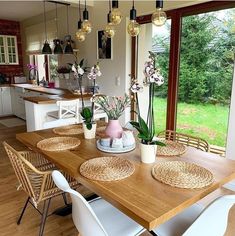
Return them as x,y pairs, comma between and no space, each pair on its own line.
114,129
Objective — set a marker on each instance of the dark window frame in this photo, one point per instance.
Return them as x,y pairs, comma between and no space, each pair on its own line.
176,16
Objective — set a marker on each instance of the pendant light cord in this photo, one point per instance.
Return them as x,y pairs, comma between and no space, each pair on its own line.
56,20
109,6
80,10
45,24
68,19
85,4
133,4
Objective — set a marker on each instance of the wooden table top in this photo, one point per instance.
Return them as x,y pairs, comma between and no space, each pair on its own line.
140,196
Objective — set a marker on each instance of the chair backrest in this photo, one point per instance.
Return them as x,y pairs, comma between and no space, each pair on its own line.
213,220
28,176
84,217
185,139
68,107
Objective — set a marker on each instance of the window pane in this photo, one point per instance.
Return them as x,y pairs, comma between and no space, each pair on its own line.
206,68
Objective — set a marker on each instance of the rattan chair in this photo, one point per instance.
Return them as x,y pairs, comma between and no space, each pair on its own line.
33,172
185,139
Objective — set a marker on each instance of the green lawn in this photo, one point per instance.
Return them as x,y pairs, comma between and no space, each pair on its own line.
204,120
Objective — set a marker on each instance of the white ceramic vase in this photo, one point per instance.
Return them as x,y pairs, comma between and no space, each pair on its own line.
148,153
89,134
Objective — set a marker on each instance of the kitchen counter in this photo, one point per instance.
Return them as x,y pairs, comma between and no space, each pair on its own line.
40,89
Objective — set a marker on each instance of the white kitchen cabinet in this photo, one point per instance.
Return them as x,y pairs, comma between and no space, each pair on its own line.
18,105
5,101
8,50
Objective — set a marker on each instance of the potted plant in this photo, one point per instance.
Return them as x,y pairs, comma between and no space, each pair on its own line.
89,125
114,107
146,129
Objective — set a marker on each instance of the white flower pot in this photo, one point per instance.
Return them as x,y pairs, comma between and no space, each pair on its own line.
89,134
148,153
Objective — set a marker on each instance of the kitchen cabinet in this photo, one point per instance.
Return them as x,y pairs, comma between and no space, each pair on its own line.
8,50
5,101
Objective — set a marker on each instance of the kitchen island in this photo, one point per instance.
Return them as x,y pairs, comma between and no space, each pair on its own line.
38,101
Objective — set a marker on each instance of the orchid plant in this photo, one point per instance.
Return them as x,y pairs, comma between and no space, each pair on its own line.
113,106
152,78
87,112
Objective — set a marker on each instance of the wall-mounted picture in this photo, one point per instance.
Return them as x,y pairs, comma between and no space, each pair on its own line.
104,46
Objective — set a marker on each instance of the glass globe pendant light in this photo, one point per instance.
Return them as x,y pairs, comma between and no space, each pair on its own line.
58,48
68,48
46,47
159,17
115,16
133,27
80,34
86,24
109,29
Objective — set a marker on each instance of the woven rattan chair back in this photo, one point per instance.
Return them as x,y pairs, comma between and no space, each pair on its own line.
185,139
34,182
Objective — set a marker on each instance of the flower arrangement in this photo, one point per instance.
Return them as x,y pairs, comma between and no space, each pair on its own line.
63,70
113,106
152,77
33,72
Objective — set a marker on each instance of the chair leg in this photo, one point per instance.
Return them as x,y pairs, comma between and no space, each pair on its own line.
154,234
46,206
22,213
65,199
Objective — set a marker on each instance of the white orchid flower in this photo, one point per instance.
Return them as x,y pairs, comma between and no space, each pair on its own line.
136,87
80,71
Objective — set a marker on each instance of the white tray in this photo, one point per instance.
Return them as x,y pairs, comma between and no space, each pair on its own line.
114,150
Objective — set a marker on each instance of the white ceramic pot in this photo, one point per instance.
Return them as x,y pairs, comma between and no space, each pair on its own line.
89,134
148,153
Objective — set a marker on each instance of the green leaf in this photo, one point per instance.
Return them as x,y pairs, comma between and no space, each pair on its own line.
159,143
143,126
81,63
89,126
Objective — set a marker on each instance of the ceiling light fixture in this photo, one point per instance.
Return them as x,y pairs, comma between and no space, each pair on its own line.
109,29
80,35
159,17
86,24
116,15
133,27
58,48
68,48
46,47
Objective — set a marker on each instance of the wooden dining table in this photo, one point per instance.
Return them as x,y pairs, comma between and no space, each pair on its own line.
140,196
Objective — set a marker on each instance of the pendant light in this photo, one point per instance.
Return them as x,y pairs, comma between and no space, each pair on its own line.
159,16
115,16
109,29
80,34
86,24
133,27
68,48
46,47
58,48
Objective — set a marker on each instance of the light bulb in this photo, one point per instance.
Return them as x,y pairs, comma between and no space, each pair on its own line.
159,17
86,26
109,31
115,16
80,35
133,28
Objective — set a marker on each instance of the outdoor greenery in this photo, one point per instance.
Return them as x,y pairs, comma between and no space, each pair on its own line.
207,121
205,76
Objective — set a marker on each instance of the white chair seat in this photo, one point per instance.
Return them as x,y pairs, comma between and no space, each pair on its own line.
114,221
177,225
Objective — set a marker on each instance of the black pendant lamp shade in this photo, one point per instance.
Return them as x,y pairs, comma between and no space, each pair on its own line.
133,13
46,47
68,48
58,48
85,14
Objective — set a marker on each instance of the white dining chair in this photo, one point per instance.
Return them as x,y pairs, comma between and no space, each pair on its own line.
97,217
67,114
197,222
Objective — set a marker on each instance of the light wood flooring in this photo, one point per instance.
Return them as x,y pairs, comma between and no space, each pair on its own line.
11,201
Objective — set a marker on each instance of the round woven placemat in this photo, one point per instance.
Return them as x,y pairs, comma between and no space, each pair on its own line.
107,168
171,149
58,144
68,130
182,174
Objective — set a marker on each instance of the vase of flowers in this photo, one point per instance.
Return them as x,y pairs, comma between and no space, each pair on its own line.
87,113
113,107
146,129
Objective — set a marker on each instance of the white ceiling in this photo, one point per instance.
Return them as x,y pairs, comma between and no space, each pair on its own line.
20,10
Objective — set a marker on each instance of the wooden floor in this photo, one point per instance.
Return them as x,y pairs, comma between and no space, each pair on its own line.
11,201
